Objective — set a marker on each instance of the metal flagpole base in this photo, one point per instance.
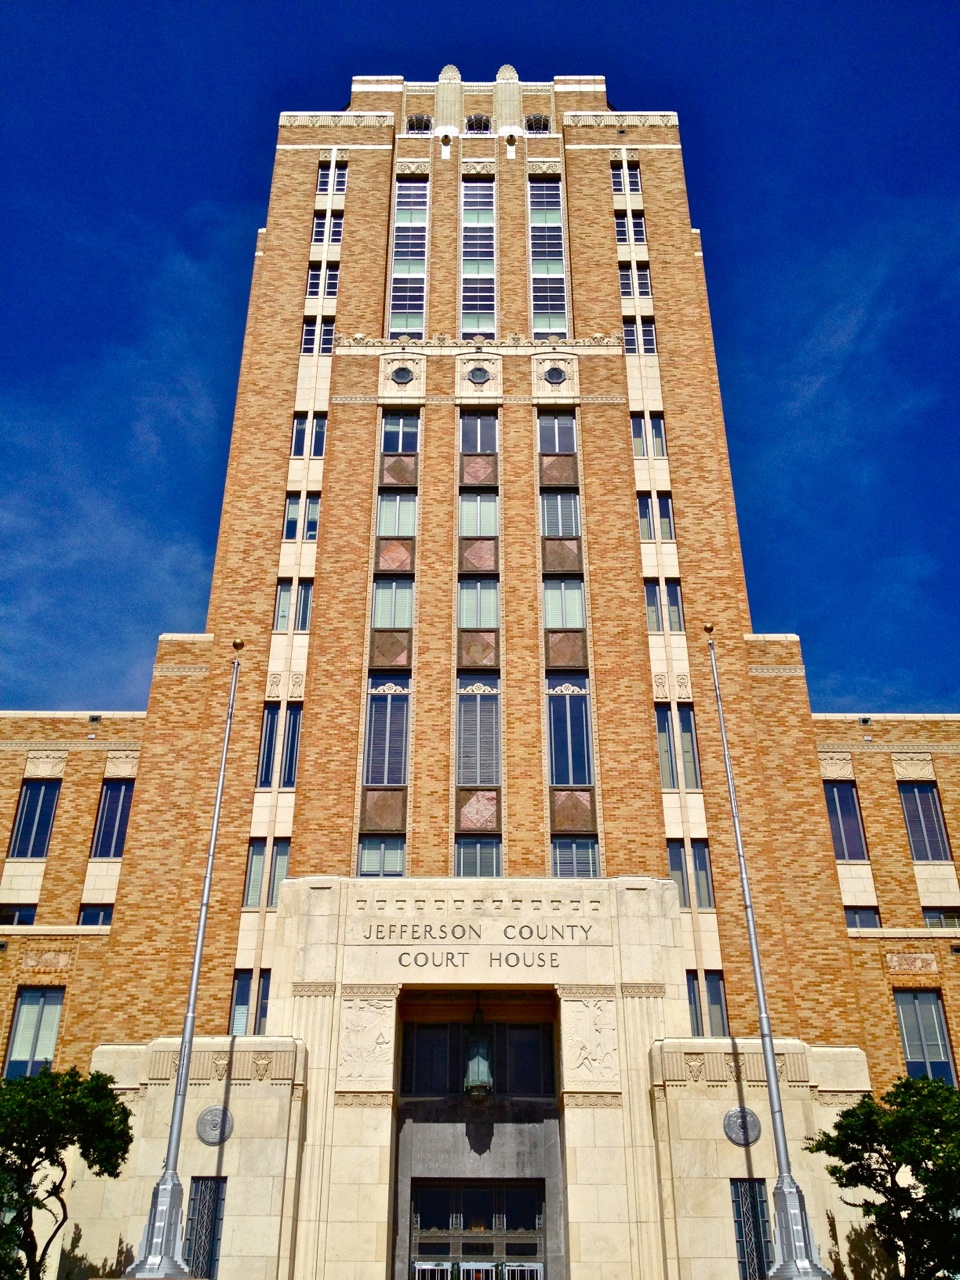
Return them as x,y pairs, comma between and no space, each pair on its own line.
161,1249
796,1255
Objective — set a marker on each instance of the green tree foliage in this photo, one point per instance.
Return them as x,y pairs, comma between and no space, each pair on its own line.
41,1117
904,1151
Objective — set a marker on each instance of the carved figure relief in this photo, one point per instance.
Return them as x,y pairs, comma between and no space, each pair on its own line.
590,1049
366,1044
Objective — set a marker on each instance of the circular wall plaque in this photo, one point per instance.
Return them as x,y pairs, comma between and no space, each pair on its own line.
742,1126
402,376
214,1125
555,376
478,376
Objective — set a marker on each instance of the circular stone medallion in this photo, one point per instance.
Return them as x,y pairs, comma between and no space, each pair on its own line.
742,1126
214,1126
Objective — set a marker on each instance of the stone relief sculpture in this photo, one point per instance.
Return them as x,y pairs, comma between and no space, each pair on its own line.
590,1043
366,1043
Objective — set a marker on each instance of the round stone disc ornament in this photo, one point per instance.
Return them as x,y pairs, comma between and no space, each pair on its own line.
742,1126
214,1126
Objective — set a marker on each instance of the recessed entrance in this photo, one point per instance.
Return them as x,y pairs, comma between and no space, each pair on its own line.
477,1230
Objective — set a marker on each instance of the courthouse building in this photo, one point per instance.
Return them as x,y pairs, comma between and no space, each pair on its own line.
476,999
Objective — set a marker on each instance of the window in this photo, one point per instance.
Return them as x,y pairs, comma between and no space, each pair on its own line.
397,515
332,282
323,178
268,743
110,833
665,747
626,282
99,914
693,1002
643,282
291,517
658,435
633,177
677,862
568,713
547,259
263,1003
751,1225
478,288
308,339
393,604
688,746
36,1019
478,603
253,885
15,913
319,228
381,856
326,338
639,228
716,1003
336,228
240,1002
278,869
537,124
923,1032
478,124
311,519
478,433
862,917
575,858
340,177
665,513
616,179
648,337
478,732
319,438
639,435
201,1241
433,1063
409,275
301,620
419,124
281,609
388,700
478,856
563,607
558,433
849,843
702,875
314,278
400,432
631,343
620,222
651,592
933,917
34,820
299,435
291,744
560,514
674,605
924,819
479,515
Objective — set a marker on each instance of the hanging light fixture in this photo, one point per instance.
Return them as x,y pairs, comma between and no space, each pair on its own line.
478,1081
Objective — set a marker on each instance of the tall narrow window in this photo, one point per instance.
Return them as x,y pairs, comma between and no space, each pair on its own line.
677,861
478,607
332,284
633,177
616,178
278,869
665,747
478,269
643,282
547,262
268,743
381,856
326,337
648,337
631,346
291,744
558,432
311,517
658,435
846,826
620,223
263,1003
639,228
651,592
702,875
319,228
560,514
923,1031
577,858
924,819
340,176
301,620
478,732
408,283
401,432
393,604
34,821
626,282
479,515
751,1225
693,1002
281,608
386,743
33,1039
253,885
319,438
240,1002
639,435
291,517
716,1003
110,833
299,438
201,1240
665,515
323,178
674,606
314,280
308,336
396,515
478,856
478,433
568,713
688,746
336,228
563,608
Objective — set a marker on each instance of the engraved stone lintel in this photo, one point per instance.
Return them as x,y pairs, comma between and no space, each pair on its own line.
378,992
916,766
314,988
181,669
796,670
413,167
45,764
911,962
587,992
121,764
342,1098
592,1099
836,764
648,990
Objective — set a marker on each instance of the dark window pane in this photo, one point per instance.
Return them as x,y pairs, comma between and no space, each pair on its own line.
477,1208
524,1060
845,825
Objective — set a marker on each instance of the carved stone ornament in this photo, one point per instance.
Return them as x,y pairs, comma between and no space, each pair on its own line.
45,764
181,669
621,119
836,764
296,685
592,1100
220,1063
551,167
419,167
467,386
545,382
777,671
682,680
262,1063
366,1044
214,1126
694,1063
915,767
478,168
385,686
337,120
742,1126
314,988
661,686
274,681
590,1048
121,764
911,962
480,687
644,990
343,1099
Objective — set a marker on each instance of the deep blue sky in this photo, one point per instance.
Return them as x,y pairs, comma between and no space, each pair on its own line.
822,160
